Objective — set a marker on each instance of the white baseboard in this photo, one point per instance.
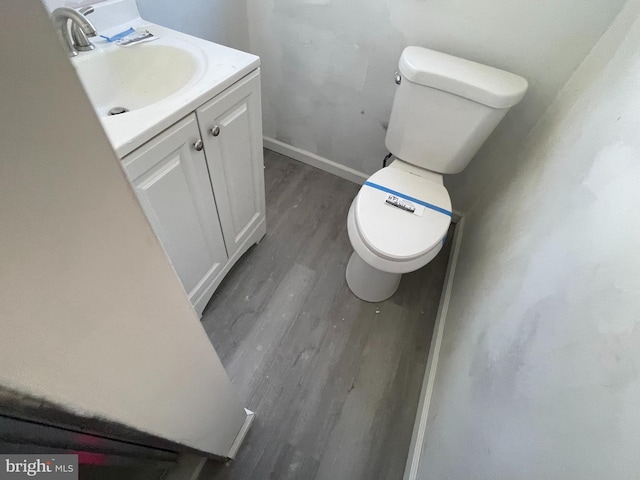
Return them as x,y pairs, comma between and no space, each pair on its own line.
324,164
315,160
242,433
420,426
189,467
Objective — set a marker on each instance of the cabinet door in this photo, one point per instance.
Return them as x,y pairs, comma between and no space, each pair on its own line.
171,181
231,127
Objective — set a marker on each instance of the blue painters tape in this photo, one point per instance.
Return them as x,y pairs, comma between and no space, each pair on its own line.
120,35
407,197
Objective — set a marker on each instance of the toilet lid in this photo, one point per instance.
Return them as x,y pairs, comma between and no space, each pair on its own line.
384,218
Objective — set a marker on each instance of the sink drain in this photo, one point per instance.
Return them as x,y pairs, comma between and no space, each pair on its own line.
118,111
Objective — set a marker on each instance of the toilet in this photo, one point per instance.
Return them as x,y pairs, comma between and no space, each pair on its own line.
444,109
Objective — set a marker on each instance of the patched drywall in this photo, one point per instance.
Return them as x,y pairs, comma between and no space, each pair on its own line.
327,68
538,376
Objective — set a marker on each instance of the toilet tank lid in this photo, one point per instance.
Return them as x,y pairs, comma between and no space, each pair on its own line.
483,84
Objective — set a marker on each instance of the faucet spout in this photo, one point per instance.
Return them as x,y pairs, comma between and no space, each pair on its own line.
74,36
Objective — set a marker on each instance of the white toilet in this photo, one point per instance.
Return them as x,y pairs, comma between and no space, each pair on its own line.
444,109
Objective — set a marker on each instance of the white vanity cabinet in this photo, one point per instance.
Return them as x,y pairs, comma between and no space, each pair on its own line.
201,185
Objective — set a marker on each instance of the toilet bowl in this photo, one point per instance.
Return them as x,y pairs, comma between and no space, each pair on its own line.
397,224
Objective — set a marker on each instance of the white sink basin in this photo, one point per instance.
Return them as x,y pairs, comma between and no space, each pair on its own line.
158,82
135,77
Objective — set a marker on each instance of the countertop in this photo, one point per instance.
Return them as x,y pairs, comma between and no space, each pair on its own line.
221,67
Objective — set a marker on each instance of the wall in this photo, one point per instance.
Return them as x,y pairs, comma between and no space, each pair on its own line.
220,21
327,67
538,376
94,319
53,4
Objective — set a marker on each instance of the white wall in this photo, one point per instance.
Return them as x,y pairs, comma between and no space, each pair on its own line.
220,21
53,4
92,316
538,376
327,67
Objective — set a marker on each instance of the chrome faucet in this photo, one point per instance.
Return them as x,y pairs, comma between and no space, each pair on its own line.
74,28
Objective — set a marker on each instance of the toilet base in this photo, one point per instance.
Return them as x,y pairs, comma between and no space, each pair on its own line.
368,283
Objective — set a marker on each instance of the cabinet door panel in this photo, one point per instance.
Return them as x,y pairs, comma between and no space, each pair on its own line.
165,196
235,159
171,181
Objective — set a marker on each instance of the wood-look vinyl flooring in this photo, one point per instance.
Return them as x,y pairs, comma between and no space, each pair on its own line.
334,381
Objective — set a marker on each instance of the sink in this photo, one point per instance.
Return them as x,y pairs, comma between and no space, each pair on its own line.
121,79
155,83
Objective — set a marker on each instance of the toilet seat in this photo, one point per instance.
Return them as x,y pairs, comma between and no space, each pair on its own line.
395,234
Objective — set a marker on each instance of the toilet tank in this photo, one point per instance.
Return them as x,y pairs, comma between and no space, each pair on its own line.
445,107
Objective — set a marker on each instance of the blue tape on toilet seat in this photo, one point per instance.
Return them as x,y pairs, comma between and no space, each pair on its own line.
407,197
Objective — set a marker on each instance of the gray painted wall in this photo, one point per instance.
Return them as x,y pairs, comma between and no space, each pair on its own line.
538,376
327,68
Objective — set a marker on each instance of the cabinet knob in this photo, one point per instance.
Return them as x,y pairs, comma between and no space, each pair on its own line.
198,145
215,131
